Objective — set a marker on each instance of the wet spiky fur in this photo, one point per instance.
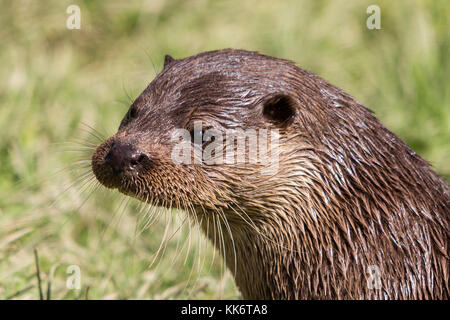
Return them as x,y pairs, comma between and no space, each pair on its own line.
348,195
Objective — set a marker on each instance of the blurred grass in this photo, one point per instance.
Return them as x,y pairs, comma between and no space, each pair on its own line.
54,78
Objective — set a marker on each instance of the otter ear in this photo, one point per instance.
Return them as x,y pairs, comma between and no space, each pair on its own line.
279,109
168,60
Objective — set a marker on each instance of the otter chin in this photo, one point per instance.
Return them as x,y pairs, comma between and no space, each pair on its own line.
351,212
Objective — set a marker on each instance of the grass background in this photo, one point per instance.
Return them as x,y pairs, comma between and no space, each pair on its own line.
54,79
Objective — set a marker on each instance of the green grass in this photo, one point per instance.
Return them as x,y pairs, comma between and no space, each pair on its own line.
54,79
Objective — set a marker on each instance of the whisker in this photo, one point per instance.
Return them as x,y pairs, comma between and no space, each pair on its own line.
224,218
93,132
111,225
83,178
160,246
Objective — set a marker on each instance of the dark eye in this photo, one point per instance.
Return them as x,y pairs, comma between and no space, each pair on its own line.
197,136
132,113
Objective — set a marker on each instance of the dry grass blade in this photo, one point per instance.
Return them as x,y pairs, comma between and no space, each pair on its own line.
20,292
38,274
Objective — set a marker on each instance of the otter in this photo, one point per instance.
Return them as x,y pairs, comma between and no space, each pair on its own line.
351,213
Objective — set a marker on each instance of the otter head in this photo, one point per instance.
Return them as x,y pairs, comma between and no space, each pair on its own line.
228,91
346,194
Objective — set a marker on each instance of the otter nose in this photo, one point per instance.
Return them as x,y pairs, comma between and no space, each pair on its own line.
124,156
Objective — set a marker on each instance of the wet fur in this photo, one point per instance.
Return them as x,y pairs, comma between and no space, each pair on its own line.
349,194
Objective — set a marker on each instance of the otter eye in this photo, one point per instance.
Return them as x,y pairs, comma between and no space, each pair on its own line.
132,113
279,109
197,136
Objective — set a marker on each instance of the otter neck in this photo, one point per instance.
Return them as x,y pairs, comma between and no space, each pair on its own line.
268,261
321,259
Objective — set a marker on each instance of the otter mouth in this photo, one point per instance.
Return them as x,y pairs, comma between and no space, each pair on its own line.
118,165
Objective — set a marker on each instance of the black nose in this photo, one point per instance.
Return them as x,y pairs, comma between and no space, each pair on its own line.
124,156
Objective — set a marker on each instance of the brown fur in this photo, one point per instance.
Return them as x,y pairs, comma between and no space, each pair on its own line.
349,194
